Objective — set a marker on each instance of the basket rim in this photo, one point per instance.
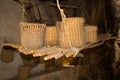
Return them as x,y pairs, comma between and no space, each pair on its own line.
68,18
51,26
91,26
26,23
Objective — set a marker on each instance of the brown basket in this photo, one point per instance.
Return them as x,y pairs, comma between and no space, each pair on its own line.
51,36
32,35
24,72
71,29
7,55
91,33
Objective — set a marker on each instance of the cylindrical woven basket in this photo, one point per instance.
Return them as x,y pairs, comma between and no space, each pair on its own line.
71,31
51,36
24,72
90,33
7,55
32,35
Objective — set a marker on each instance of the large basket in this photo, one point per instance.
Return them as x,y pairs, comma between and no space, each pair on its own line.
91,33
32,35
51,36
71,32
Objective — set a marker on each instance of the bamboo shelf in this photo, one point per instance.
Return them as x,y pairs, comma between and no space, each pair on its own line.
57,52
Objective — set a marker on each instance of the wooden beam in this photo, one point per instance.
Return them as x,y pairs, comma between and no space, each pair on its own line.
64,5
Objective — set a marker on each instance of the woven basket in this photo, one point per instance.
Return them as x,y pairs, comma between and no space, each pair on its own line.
71,30
91,33
23,72
51,36
32,35
7,55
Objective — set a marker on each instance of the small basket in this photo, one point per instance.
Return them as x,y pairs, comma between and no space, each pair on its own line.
7,55
51,36
23,72
32,35
91,33
71,32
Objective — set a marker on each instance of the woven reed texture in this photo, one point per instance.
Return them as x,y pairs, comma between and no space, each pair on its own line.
7,55
24,72
32,35
90,33
51,36
71,30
